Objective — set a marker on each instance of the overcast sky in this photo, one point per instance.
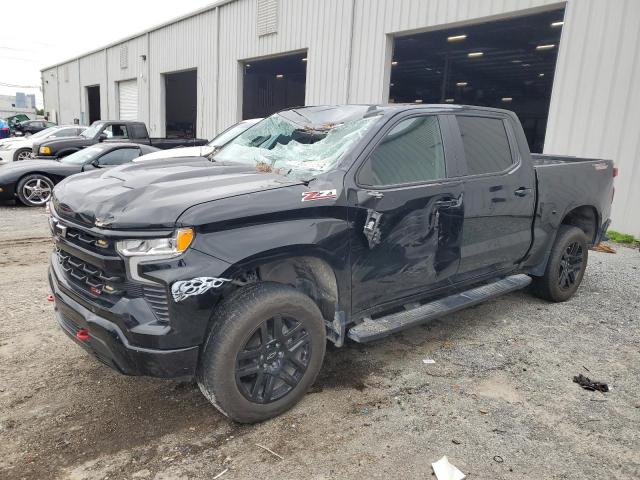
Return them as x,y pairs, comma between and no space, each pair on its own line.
39,33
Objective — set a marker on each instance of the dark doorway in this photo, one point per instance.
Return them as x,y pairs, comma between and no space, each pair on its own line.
93,102
505,64
181,103
273,84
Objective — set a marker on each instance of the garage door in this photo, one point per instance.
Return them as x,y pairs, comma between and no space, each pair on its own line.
128,97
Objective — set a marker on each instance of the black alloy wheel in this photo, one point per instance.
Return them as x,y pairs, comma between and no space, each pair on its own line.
570,266
273,360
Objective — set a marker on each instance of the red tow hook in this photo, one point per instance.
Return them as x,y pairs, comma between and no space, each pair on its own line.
50,298
83,334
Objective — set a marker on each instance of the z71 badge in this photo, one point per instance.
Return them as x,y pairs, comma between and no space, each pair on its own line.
321,195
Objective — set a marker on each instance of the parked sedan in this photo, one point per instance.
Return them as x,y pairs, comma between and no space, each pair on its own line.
32,182
29,127
20,148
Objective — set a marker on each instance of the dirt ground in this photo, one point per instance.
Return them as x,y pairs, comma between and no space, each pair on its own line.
499,400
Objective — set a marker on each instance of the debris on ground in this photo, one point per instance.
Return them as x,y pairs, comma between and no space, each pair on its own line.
601,247
270,451
446,471
587,384
221,473
498,459
428,361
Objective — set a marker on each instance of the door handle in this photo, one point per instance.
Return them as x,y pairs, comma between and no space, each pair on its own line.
449,203
522,192
374,193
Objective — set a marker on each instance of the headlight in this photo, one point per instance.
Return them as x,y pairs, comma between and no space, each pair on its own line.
45,150
158,247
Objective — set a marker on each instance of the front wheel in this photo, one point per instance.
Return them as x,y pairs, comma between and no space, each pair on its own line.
35,190
263,353
22,154
566,266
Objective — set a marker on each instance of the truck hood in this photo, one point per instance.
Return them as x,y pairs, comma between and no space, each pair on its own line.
182,152
152,195
58,144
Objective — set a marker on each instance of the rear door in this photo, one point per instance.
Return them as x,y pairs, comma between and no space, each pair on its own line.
499,190
406,213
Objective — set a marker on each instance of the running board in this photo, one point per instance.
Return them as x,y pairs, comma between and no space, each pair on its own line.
370,329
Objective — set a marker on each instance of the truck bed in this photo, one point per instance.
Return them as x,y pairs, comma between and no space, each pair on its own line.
565,183
167,143
541,160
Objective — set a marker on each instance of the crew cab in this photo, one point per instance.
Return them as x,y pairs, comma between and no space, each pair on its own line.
316,224
103,131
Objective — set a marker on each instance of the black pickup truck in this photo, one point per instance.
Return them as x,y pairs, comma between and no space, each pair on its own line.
104,131
316,224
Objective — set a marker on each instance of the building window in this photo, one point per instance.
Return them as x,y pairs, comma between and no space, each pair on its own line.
266,17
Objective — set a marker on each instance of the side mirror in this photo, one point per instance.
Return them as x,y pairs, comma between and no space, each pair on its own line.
96,163
102,137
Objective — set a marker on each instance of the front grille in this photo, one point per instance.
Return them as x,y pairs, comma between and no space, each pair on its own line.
110,288
89,241
94,280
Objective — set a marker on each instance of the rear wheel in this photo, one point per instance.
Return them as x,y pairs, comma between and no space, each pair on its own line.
35,190
263,353
566,266
22,154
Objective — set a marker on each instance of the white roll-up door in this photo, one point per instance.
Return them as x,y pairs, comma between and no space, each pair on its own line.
128,99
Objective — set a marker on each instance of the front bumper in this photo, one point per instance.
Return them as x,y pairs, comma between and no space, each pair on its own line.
108,343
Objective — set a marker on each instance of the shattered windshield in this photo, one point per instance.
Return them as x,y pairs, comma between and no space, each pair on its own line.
302,142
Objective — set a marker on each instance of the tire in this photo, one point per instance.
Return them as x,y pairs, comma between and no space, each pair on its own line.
234,373
21,154
35,190
565,268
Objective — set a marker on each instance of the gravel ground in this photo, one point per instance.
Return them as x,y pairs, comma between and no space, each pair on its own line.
499,400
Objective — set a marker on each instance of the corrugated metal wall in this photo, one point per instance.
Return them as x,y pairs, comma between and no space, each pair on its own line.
92,72
188,44
595,106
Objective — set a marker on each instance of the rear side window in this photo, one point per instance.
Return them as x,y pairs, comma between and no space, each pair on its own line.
119,156
138,131
486,146
411,152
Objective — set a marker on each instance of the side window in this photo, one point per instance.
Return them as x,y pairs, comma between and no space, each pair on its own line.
138,131
486,146
65,132
116,131
119,156
411,152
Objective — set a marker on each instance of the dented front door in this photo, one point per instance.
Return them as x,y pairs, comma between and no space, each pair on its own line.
406,237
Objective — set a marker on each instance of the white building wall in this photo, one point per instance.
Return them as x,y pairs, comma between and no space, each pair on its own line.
595,106
69,90
136,69
185,45
92,73
49,80
320,27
